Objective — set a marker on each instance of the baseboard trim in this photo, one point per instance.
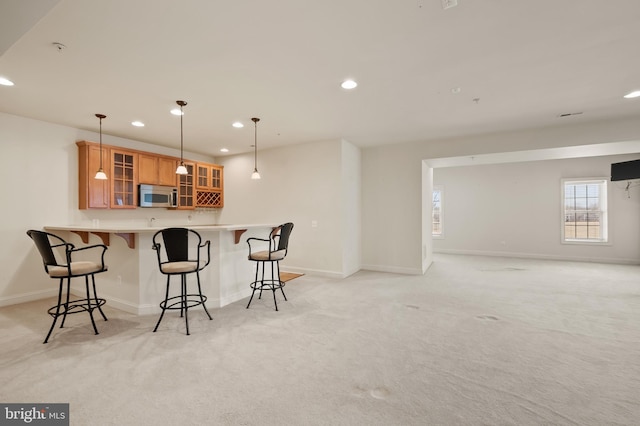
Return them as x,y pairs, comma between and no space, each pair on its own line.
615,261
393,269
27,297
154,309
130,307
227,300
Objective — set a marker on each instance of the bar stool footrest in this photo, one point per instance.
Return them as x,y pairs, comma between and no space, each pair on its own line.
76,306
178,302
267,285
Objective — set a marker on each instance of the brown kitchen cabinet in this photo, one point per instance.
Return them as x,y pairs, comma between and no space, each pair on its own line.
209,185
92,193
209,176
187,188
210,199
167,171
127,168
124,179
157,169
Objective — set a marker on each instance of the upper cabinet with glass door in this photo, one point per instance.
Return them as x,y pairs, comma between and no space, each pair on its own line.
124,179
209,185
209,176
186,188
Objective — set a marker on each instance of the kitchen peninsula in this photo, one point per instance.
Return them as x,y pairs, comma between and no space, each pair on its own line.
134,283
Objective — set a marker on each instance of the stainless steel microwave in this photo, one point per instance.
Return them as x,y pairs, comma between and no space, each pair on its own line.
157,196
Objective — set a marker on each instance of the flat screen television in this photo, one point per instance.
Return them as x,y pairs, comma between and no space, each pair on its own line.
625,170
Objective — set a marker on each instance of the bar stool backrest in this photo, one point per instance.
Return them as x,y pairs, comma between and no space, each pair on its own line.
181,245
283,235
42,241
176,244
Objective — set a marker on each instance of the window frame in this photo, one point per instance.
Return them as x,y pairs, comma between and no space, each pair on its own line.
440,190
603,209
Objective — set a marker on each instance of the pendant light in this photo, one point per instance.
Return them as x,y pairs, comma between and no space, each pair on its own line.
100,174
255,174
182,169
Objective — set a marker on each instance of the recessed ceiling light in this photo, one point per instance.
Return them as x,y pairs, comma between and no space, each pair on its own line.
6,81
448,4
224,150
238,125
634,94
176,111
349,84
456,90
137,123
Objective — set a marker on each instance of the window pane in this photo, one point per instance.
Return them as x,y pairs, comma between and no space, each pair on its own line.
436,213
585,210
593,190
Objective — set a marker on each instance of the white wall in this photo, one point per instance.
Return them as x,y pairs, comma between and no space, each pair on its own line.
35,164
304,184
351,206
427,214
515,209
392,183
392,209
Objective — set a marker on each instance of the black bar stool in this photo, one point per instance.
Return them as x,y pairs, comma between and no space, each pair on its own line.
278,245
181,256
46,243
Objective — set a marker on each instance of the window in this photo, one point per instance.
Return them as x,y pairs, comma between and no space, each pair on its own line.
585,211
436,212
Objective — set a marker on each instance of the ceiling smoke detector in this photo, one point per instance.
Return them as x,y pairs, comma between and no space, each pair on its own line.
59,46
447,4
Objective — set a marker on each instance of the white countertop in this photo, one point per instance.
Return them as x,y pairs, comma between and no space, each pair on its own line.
134,229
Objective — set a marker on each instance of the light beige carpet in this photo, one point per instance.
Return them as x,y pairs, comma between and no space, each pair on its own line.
476,341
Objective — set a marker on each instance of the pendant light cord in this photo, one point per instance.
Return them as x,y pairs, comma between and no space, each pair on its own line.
182,104
101,116
100,143
181,142
182,169
255,144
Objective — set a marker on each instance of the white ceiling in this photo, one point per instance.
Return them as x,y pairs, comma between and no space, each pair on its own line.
518,64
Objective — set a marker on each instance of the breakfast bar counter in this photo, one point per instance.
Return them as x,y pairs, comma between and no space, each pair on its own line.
134,283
